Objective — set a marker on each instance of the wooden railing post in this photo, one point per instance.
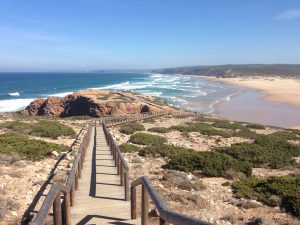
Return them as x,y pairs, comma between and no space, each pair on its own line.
126,185
67,219
121,174
133,202
117,163
73,195
145,199
76,179
57,216
79,169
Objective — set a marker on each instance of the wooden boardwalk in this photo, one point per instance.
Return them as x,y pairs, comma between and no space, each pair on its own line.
100,197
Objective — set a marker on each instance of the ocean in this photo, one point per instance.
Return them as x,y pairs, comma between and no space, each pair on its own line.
17,90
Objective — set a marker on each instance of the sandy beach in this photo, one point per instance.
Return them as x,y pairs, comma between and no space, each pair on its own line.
266,100
276,89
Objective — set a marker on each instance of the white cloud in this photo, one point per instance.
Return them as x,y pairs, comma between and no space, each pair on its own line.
289,14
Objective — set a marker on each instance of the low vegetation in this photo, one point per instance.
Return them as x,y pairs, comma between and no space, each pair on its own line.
128,148
103,97
52,129
146,139
181,116
285,135
85,117
246,133
266,151
188,160
11,143
132,128
206,119
203,128
255,126
43,128
228,125
159,129
149,120
274,191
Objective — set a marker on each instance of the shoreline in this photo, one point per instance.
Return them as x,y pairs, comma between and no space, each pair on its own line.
275,89
264,104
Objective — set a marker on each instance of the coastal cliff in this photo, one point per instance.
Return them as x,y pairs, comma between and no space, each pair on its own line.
93,103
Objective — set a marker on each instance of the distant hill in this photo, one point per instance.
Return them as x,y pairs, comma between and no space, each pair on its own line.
236,70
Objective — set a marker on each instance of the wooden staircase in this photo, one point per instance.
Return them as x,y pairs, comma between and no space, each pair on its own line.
100,198
97,190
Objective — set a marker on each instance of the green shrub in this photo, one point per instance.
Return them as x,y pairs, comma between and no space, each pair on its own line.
181,116
20,127
255,126
266,151
284,135
159,129
131,128
43,128
31,149
295,131
146,139
228,125
52,129
203,128
206,119
188,160
103,97
246,133
126,130
85,117
149,120
285,188
129,148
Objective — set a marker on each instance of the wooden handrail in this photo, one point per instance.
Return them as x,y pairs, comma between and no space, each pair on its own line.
61,210
53,199
120,161
165,215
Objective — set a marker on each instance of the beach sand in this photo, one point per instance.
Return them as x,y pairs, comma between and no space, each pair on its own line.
276,89
266,100
250,106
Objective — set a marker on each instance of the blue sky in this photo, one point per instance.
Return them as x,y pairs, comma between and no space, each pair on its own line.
37,35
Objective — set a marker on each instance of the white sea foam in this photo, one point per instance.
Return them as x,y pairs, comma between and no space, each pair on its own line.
63,94
126,86
14,94
151,93
14,104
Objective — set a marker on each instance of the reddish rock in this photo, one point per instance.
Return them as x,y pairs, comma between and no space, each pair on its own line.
86,103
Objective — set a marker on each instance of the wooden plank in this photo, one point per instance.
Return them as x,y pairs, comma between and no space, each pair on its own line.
99,192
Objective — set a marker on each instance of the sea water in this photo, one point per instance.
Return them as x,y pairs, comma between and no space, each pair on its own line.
17,90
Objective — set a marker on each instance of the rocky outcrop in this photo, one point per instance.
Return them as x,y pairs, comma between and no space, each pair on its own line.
86,103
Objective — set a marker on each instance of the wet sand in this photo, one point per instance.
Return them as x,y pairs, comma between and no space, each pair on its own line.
276,89
250,106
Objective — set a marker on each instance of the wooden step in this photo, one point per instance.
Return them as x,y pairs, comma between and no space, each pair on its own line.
100,198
